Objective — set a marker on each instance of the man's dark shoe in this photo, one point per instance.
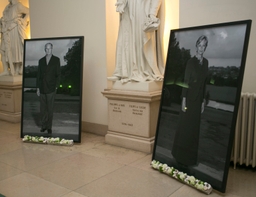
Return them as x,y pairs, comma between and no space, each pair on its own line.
42,130
49,131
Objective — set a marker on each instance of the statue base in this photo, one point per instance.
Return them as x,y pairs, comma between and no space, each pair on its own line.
10,98
133,115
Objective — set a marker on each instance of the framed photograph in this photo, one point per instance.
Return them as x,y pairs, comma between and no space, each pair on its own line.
52,87
200,98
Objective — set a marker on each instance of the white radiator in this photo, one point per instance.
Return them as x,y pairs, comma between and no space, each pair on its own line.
244,148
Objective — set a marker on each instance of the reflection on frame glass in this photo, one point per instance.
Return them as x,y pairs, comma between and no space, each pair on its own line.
200,98
52,87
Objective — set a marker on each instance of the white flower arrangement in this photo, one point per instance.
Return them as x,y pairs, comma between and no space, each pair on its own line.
183,177
35,139
60,141
50,140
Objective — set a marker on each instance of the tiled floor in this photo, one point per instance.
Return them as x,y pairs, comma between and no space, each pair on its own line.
93,169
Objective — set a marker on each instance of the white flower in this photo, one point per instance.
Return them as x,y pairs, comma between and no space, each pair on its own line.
165,166
166,169
186,180
41,139
155,166
169,170
51,140
26,138
153,162
175,173
192,180
207,186
57,139
182,175
199,186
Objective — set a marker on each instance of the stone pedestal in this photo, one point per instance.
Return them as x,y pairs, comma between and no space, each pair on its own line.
133,115
10,98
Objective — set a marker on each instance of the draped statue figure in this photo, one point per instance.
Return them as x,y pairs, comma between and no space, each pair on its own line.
139,46
13,25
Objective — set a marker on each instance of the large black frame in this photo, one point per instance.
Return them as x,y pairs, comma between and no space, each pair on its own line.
68,99
226,53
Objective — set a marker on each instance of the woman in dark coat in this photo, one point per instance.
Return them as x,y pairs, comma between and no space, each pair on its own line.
186,139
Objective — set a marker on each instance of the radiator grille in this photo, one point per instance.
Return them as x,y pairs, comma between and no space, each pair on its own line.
244,148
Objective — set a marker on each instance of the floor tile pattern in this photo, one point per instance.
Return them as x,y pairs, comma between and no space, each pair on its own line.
93,169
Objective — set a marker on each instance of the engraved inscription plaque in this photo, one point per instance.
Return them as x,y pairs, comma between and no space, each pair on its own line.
6,100
128,117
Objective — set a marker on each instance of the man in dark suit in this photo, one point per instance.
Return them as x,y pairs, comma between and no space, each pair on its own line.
48,79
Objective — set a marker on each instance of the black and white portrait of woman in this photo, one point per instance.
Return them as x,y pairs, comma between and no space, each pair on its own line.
200,97
186,139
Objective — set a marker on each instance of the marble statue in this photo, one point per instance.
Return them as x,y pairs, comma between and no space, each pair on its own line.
138,50
2,52
13,25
